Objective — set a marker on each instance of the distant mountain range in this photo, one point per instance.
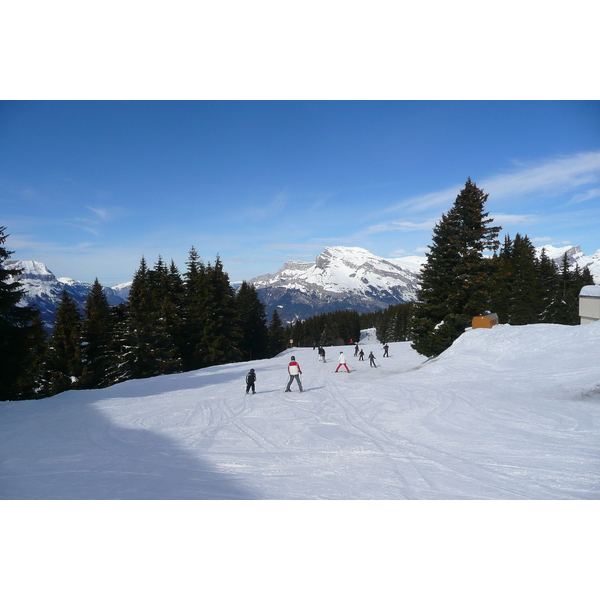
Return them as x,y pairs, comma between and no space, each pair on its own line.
43,290
574,257
340,278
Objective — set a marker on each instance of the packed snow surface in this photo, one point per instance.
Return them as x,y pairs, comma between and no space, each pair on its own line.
506,413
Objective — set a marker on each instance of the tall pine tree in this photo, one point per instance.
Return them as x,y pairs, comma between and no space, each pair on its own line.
194,301
17,329
518,295
64,362
142,316
221,334
254,343
167,319
549,281
455,282
96,336
277,335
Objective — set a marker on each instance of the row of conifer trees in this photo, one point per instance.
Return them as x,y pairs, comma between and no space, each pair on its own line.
175,323
461,279
344,326
171,323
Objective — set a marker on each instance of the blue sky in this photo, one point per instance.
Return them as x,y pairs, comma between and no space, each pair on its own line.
89,187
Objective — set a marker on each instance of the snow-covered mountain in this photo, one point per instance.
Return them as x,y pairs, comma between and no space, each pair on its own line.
575,256
43,290
340,278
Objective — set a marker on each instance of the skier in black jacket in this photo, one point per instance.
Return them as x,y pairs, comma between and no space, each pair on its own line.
250,380
372,359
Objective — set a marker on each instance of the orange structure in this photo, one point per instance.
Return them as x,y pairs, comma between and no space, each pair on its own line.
485,321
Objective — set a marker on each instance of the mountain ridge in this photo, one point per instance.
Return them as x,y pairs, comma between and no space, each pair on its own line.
43,289
340,278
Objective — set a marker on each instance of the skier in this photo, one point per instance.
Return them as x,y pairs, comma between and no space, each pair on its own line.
322,354
385,351
372,359
356,350
361,354
342,360
295,371
250,380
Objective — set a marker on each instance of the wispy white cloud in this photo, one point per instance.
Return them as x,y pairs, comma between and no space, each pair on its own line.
551,177
579,198
504,219
425,201
33,245
400,226
270,208
101,213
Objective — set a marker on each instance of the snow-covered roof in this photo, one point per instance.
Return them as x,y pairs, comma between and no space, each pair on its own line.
590,291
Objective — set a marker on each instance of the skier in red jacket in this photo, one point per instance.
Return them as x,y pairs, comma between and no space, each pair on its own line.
295,371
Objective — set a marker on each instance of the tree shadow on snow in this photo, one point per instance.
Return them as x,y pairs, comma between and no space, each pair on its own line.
66,449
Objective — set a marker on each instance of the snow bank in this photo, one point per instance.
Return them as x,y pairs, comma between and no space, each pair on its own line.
590,291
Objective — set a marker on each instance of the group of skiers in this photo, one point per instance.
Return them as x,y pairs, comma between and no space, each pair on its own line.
294,370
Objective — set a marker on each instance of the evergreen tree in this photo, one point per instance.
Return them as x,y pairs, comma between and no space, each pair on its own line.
253,323
549,279
277,335
121,355
96,336
455,283
142,323
501,266
401,320
563,314
177,293
64,361
194,303
16,328
167,318
33,381
221,334
517,298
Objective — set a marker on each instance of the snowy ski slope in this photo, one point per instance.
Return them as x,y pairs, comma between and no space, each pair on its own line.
507,413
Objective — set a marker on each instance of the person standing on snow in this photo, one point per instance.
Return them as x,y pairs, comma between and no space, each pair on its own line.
361,354
356,350
294,371
322,354
250,381
385,351
342,360
372,359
